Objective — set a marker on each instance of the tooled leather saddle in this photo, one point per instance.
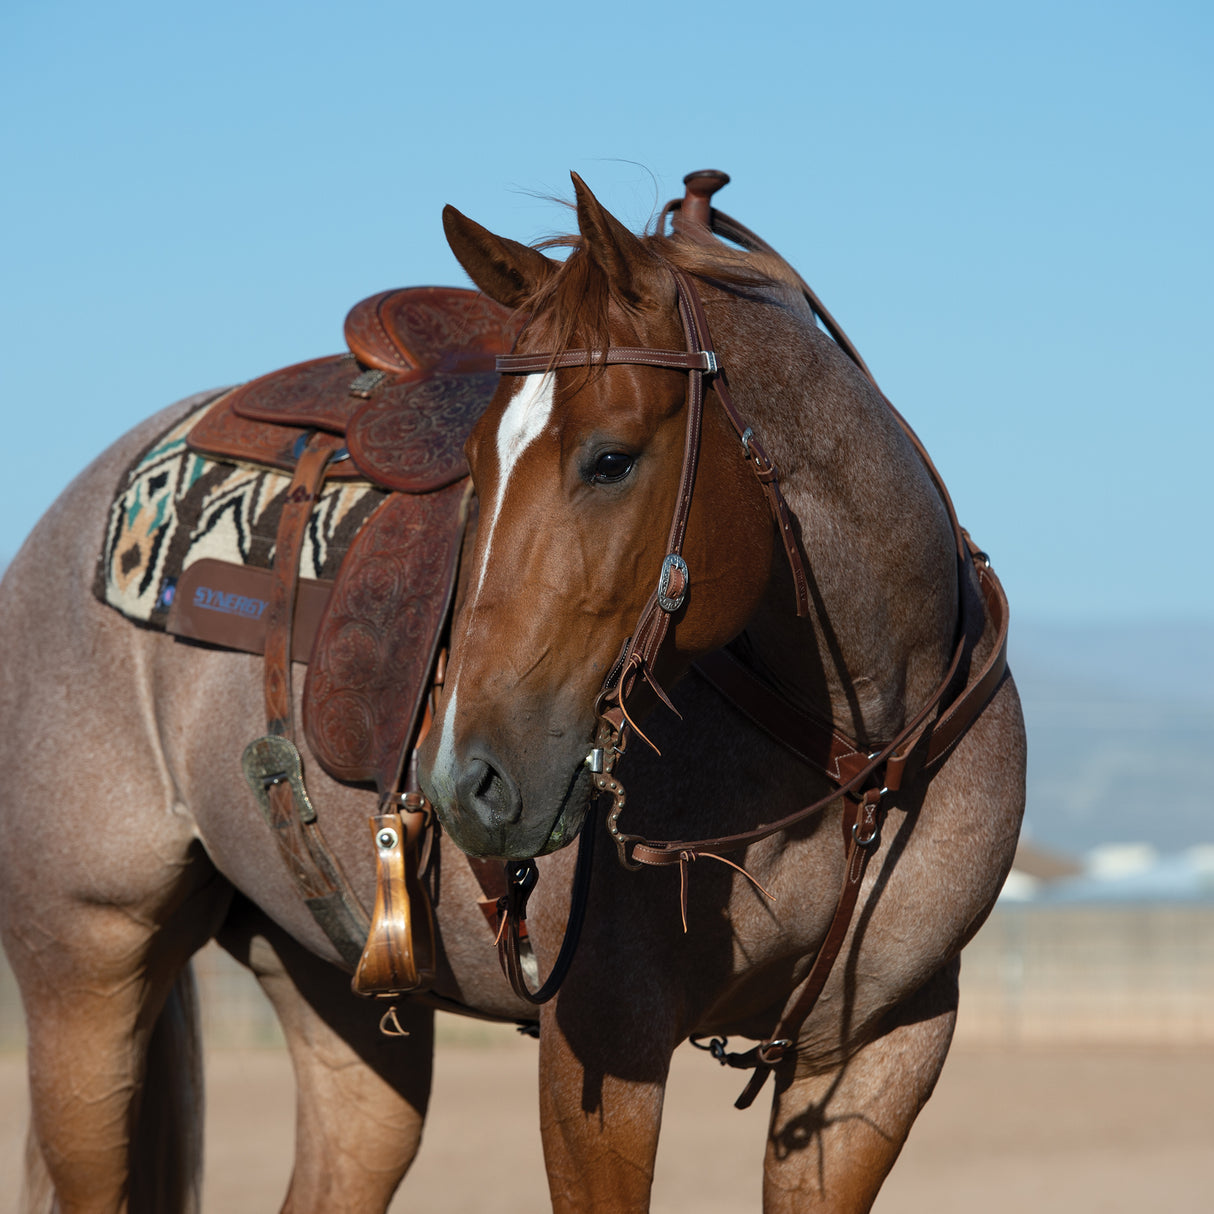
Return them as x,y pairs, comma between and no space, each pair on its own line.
394,412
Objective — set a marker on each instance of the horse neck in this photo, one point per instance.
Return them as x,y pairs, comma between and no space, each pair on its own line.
876,535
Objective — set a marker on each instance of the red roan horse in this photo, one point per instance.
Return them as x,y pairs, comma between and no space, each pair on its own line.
130,838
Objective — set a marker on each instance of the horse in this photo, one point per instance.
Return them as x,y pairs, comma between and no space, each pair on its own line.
815,550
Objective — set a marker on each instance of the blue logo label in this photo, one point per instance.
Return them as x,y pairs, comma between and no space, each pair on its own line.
229,604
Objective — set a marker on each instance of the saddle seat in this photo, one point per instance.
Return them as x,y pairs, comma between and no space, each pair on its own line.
419,373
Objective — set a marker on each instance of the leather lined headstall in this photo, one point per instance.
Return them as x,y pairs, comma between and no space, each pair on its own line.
699,359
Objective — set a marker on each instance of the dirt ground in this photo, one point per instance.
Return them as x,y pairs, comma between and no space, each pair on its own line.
1100,1130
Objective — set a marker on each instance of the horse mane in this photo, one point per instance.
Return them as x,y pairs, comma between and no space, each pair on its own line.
570,310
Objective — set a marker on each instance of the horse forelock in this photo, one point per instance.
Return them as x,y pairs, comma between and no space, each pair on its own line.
571,310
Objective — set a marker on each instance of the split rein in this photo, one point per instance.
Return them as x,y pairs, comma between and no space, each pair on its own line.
862,779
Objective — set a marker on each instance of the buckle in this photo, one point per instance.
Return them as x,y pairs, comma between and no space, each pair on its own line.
772,1052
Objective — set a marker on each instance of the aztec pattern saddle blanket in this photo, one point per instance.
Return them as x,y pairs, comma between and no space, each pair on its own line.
176,508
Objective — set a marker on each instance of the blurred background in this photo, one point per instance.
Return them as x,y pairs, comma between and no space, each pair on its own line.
1007,208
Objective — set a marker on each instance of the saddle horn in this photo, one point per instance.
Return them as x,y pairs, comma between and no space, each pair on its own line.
693,216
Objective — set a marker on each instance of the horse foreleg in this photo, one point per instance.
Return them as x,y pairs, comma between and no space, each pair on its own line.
834,1136
602,1085
361,1096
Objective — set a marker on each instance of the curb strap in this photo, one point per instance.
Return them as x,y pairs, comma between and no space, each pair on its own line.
521,878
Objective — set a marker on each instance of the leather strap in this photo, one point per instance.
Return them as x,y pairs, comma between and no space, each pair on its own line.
815,740
811,738
678,360
889,763
272,764
521,877
761,463
292,525
862,832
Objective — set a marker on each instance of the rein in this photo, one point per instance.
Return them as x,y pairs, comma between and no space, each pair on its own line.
863,779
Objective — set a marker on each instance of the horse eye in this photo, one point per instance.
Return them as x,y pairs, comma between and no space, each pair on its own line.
611,466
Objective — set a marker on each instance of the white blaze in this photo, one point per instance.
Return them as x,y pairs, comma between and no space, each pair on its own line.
522,423
443,774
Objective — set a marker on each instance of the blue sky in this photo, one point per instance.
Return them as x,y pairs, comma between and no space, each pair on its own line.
1008,208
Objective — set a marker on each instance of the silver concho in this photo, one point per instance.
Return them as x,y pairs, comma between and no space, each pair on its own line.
667,601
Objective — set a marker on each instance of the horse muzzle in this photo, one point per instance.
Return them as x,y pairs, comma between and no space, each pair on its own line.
486,812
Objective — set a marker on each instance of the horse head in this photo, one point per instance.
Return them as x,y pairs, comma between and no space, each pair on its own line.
577,469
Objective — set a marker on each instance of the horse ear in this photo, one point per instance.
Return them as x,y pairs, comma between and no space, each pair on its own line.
614,249
505,270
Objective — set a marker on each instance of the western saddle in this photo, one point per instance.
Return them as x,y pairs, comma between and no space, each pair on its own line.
395,412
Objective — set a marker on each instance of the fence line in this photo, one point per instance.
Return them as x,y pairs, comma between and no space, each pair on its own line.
1140,974
1034,974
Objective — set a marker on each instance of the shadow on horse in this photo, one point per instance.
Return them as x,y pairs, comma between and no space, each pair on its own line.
718,615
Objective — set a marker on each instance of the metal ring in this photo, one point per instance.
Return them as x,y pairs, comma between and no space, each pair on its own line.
866,842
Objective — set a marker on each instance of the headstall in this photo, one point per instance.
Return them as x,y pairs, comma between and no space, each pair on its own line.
637,657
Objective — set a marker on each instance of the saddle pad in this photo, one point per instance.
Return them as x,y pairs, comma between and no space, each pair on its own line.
174,507
197,516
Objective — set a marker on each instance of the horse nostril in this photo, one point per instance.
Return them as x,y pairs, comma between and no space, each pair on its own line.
484,787
484,791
